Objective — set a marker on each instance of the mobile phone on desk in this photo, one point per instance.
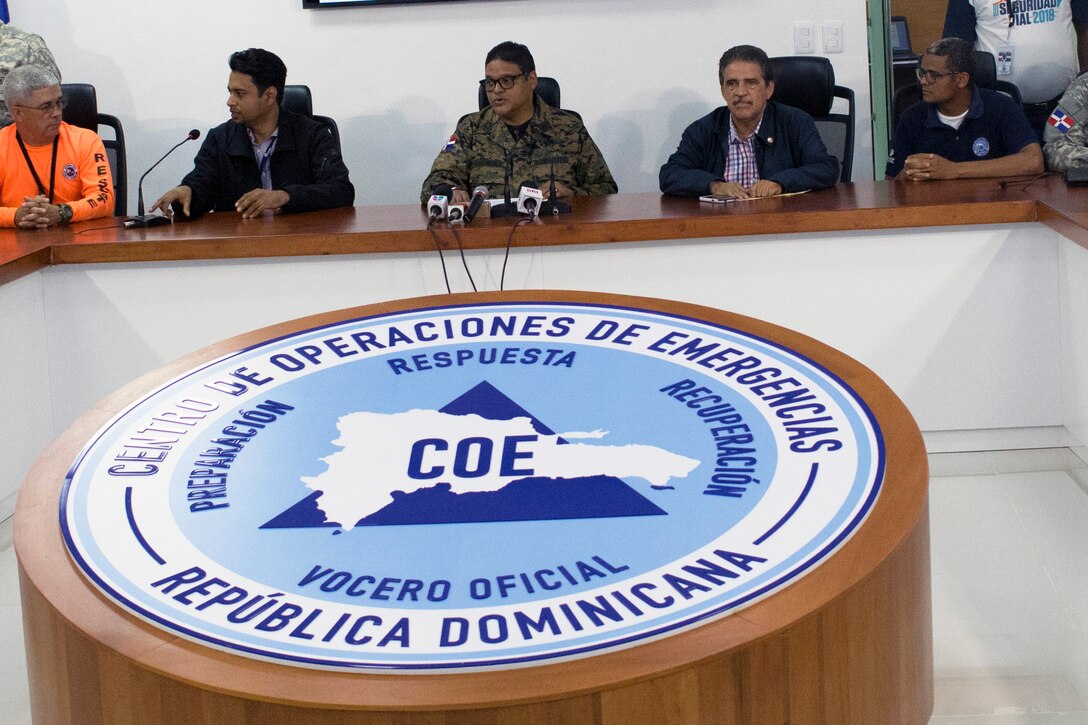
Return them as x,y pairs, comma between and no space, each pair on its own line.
1077,176
717,198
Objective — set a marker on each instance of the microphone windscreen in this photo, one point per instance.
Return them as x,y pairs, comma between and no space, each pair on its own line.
529,198
442,190
477,201
194,134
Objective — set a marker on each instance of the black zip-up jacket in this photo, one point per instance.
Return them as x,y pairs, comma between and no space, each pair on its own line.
306,164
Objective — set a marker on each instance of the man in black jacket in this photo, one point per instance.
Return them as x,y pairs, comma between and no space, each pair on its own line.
752,147
265,158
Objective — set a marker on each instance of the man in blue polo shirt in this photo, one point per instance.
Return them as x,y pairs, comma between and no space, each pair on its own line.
959,130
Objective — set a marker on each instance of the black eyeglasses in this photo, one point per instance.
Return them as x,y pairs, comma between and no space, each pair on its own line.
931,75
503,82
60,103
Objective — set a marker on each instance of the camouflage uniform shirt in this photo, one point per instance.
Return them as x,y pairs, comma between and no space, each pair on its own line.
20,48
1069,149
476,154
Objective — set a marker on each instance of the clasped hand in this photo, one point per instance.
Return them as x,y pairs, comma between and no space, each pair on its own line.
927,167
761,188
36,213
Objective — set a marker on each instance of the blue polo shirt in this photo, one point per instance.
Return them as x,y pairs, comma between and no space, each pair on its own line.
995,126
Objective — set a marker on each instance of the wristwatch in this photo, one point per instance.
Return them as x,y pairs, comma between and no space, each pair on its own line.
65,213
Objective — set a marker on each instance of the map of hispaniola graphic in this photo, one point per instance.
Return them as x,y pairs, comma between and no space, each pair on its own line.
537,474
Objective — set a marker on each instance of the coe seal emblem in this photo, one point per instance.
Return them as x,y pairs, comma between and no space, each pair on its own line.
474,485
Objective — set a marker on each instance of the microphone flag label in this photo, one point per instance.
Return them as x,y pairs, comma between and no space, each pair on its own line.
489,484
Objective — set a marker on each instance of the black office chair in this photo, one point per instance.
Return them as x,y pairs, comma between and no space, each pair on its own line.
547,88
808,82
985,77
82,111
298,99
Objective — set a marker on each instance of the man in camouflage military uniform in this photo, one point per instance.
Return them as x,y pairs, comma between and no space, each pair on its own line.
521,127
1066,132
21,48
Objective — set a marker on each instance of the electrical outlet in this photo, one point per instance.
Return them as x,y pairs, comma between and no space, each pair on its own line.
804,37
833,41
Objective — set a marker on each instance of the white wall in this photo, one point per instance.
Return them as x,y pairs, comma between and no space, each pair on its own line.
974,328
1073,316
397,78
942,316
26,416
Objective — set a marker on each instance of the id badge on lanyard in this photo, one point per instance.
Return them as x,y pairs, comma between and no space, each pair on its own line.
1004,54
1004,60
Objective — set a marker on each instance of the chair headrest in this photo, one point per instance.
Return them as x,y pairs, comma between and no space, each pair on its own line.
297,99
804,81
985,70
82,108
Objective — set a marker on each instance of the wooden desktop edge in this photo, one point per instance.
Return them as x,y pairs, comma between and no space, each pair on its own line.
624,218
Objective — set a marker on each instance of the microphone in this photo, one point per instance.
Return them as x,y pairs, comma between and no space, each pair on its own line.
439,202
479,194
455,213
507,208
507,170
553,205
529,199
436,207
154,220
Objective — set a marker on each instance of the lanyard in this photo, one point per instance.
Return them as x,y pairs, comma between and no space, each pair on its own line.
264,159
52,166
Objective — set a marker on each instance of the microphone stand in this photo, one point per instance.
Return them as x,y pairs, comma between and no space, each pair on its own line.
553,205
507,208
153,220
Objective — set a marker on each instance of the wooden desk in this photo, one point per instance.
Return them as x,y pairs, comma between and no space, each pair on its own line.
596,220
634,218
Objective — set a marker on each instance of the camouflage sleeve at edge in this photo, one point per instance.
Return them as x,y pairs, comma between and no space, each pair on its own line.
40,55
1069,149
595,179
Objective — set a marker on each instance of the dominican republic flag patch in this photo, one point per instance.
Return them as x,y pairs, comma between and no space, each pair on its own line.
451,143
1061,120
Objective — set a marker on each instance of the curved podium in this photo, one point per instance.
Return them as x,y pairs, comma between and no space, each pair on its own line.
844,638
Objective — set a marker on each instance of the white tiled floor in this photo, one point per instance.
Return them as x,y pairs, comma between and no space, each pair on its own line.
1010,593
1010,588
14,697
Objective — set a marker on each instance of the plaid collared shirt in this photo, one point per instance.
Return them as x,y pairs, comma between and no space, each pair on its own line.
740,162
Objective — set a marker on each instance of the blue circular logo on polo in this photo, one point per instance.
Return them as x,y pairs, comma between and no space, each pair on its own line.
472,486
981,146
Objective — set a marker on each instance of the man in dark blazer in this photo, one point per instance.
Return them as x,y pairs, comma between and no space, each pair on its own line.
265,158
752,146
